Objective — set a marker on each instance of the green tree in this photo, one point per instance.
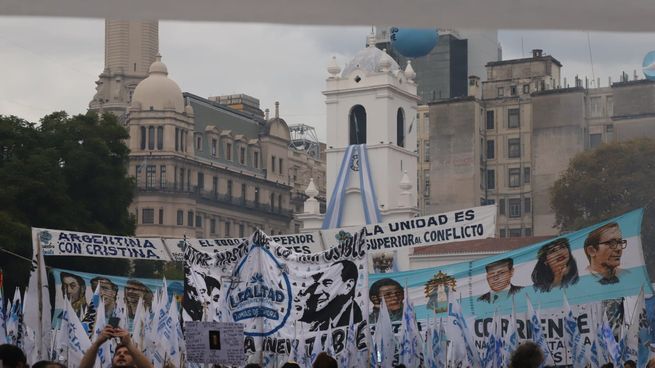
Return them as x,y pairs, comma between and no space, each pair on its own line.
65,173
608,181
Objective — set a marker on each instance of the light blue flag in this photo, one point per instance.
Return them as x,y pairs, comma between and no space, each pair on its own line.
465,353
511,337
613,348
594,359
573,336
13,324
601,345
435,352
443,346
537,331
492,351
410,343
3,323
430,334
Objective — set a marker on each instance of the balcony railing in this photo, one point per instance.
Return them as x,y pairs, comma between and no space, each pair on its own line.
214,198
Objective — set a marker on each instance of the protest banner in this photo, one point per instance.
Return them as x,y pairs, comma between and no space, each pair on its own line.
73,243
283,298
598,265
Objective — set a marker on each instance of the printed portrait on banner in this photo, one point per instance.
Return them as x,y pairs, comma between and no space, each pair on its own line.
600,266
283,298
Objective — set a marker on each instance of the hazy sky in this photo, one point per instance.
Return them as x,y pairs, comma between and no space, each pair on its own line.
51,64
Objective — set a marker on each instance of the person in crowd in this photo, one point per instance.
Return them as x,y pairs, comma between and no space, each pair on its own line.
108,292
290,365
12,356
73,288
324,360
499,278
252,365
331,297
527,355
604,248
126,355
135,290
400,366
607,365
651,363
630,364
555,266
47,364
393,294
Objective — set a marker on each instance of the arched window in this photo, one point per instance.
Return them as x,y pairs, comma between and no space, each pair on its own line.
357,120
400,127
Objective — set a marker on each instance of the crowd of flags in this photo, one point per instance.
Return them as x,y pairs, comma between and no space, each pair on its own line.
157,331
441,342
449,342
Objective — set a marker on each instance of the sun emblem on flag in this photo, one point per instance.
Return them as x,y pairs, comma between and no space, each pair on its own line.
354,162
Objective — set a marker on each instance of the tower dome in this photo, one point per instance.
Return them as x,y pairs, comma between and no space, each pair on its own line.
371,60
158,92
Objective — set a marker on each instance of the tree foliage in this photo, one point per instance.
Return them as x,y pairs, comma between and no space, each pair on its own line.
608,181
64,173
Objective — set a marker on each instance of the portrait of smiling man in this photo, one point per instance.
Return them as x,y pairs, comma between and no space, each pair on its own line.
331,297
499,278
604,249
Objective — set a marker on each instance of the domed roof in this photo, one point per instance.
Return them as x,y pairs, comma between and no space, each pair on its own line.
369,59
158,91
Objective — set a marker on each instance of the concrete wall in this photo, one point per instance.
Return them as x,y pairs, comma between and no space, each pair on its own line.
455,153
558,135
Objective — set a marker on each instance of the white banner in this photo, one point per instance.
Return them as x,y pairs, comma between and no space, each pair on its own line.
305,243
467,224
72,243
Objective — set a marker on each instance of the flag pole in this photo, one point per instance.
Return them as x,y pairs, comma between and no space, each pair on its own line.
39,328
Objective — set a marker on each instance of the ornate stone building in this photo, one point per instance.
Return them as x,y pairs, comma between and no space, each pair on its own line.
204,167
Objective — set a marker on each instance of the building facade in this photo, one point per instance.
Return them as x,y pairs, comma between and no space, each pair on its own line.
443,72
205,169
510,139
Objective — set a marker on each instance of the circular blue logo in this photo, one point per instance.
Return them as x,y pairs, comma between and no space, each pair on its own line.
262,298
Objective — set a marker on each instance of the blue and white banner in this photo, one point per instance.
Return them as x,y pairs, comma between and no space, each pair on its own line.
600,265
77,288
276,292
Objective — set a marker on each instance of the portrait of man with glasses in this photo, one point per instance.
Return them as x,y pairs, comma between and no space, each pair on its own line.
604,248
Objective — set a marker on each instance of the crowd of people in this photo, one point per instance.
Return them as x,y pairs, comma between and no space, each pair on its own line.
128,355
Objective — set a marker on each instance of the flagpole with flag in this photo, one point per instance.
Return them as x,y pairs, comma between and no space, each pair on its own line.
511,337
537,330
384,339
573,336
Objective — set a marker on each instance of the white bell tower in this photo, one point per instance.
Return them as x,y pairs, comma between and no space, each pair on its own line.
373,102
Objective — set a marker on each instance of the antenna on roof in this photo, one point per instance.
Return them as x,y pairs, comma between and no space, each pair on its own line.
591,59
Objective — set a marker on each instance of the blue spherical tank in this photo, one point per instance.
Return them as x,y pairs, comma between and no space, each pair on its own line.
649,66
414,42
